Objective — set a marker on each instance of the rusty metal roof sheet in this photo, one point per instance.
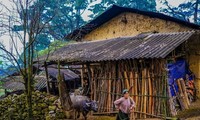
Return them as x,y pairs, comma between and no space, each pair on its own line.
151,45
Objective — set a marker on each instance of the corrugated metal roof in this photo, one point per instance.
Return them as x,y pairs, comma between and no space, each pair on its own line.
68,74
14,86
41,82
154,45
16,83
116,10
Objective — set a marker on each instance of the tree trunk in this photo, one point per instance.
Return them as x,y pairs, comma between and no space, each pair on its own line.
47,77
196,11
64,96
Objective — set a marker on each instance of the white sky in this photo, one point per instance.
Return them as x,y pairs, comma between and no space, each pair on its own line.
5,39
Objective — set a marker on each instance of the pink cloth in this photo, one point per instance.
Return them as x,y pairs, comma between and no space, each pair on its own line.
124,104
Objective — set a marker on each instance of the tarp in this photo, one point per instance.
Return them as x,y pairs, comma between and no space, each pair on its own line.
178,69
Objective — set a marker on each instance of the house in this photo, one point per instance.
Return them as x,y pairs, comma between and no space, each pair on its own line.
149,53
14,83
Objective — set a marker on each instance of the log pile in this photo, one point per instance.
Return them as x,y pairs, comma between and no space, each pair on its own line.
185,94
146,81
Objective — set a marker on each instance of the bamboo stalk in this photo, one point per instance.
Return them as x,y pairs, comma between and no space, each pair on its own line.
150,93
126,80
109,95
114,85
145,92
142,98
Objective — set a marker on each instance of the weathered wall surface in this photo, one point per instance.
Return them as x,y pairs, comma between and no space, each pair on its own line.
194,60
130,24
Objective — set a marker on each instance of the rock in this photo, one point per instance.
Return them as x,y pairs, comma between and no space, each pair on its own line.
51,112
15,107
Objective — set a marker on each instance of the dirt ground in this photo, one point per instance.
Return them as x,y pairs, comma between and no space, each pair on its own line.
108,118
191,114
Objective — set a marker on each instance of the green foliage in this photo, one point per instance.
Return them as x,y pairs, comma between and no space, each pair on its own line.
62,16
65,16
149,5
188,11
54,46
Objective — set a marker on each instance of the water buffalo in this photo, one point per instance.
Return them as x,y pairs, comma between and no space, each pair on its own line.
82,104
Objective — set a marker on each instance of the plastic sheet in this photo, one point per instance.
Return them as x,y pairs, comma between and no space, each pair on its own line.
177,70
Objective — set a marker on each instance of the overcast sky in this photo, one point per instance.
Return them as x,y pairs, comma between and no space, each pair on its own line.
5,39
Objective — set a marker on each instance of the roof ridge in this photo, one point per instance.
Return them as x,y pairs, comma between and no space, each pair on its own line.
116,10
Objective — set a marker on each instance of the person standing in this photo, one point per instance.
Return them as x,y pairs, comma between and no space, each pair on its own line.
126,105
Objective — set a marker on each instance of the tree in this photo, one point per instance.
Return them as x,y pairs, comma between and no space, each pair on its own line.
68,17
188,11
149,5
31,23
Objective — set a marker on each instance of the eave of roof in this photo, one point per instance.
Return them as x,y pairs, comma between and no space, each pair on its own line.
116,10
68,74
151,45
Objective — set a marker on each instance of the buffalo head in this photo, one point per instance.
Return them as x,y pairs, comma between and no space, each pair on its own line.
92,105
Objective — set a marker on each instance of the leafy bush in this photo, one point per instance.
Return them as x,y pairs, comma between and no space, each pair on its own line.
54,46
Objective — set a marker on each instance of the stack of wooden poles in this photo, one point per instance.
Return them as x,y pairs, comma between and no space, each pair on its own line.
182,94
145,79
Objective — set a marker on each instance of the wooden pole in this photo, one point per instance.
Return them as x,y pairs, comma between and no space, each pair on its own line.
89,78
145,92
82,77
184,91
47,77
150,93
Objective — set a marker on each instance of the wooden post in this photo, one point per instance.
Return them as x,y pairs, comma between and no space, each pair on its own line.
59,79
89,78
47,77
82,77
53,88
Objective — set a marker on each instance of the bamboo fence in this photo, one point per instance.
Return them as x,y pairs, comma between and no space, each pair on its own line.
145,79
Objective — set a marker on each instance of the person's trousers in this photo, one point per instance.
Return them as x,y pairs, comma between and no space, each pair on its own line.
122,116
